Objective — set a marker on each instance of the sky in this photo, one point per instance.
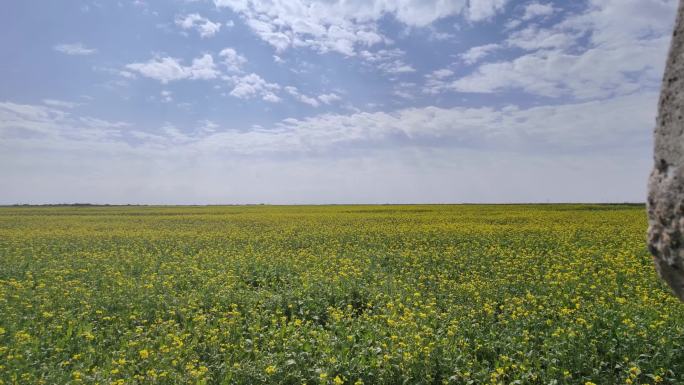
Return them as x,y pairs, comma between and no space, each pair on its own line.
329,101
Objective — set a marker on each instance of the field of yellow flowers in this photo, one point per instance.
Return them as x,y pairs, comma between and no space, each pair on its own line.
520,294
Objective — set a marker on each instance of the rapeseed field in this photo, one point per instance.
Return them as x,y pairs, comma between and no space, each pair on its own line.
519,294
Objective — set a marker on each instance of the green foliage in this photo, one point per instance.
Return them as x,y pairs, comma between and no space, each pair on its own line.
524,294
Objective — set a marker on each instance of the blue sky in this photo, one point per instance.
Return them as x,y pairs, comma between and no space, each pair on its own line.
306,101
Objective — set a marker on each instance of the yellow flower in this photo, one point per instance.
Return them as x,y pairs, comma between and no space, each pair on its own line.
144,354
338,381
270,370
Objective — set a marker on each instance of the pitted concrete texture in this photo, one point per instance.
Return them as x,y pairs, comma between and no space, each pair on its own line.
666,185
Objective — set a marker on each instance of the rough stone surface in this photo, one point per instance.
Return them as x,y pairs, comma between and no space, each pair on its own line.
666,185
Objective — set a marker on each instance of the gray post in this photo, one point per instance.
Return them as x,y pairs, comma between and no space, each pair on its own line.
666,185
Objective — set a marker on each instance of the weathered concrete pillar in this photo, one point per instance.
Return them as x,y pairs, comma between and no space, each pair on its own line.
666,185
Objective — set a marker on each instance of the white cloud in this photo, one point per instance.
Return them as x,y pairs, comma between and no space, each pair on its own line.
203,68
389,61
532,11
31,124
233,60
596,73
271,97
203,26
474,54
620,57
442,73
440,35
208,126
329,98
74,49
531,145
60,103
570,127
396,67
124,73
535,9
428,146
301,97
403,94
253,85
166,96
346,26
167,69
405,90
436,81
648,19
485,9
534,38
557,128
310,100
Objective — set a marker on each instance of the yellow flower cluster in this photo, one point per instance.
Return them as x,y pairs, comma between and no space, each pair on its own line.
334,295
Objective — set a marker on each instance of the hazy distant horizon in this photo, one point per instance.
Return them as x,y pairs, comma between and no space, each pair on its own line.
83,204
310,102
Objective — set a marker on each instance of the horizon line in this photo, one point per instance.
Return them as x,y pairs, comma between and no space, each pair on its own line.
625,203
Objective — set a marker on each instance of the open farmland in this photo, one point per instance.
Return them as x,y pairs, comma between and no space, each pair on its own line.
523,294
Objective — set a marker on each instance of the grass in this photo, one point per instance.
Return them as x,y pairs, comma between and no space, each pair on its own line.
521,294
